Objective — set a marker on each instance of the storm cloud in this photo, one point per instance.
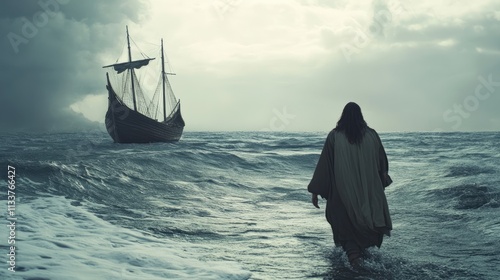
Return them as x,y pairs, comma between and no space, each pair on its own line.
264,65
50,50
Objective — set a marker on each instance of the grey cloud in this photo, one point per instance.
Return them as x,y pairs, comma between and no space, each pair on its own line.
55,61
400,86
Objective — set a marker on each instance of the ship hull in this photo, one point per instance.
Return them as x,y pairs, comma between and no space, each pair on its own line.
125,125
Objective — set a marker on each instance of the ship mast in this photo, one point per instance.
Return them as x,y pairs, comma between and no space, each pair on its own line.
131,71
163,75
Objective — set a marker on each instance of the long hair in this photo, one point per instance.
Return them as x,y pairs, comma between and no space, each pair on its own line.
352,123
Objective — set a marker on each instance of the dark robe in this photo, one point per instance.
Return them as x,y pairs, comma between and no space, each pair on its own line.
352,178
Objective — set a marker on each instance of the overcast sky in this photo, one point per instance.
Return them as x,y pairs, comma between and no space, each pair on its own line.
259,64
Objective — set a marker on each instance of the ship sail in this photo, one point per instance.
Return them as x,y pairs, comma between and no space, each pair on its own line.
121,67
132,116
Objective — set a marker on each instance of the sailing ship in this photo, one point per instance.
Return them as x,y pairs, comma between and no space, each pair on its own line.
131,117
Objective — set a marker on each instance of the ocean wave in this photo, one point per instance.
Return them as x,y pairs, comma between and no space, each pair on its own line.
464,170
167,210
468,196
71,243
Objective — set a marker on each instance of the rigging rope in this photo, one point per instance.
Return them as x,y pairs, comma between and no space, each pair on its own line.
140,51
152,108
123,49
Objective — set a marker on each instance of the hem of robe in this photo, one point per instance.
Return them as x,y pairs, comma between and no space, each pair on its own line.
344,230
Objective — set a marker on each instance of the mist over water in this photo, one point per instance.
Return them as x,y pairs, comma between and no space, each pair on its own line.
235,206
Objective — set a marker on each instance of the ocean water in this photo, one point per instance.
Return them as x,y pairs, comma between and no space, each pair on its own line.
232,205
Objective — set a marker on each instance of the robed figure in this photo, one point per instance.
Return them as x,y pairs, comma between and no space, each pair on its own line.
351,174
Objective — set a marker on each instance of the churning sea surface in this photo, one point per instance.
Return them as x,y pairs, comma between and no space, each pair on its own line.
234,205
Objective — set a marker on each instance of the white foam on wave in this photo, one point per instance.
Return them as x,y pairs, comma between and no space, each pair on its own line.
56,240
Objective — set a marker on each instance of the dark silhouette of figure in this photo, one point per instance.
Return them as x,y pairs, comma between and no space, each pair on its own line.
351,174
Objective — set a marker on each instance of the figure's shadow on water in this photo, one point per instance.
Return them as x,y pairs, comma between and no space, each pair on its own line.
379,265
